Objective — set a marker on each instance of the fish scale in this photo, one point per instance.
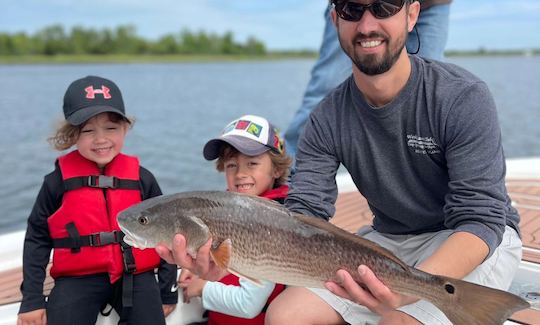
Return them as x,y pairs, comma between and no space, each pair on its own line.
262,240
237,224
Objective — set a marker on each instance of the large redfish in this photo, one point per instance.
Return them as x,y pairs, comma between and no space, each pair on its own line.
260,239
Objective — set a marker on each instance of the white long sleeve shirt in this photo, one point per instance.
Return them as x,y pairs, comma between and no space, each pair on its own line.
245,301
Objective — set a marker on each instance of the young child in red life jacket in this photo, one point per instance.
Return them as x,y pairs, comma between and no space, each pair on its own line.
250,152
75,216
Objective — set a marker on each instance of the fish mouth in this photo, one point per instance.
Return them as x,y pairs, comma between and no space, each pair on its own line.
133,243
132,240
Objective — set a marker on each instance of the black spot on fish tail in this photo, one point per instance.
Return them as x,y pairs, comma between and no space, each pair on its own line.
466,303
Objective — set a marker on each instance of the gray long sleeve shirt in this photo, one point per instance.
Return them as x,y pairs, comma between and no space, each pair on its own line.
431,159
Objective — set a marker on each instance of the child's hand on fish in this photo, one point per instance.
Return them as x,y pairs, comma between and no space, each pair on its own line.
186,277
38,317
193,289
372,293
202,265
168,309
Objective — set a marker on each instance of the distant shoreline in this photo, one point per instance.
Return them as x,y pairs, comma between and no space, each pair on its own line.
56,44
484,52
139,58
147,58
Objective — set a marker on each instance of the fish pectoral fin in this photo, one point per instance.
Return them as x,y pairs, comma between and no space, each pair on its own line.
256,282
222,254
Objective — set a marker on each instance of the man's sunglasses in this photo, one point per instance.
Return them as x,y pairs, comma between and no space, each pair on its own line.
380,9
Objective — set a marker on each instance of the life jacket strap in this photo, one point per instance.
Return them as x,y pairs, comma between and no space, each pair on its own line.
129,260
100,181
74,236
127,281
75,241
127,298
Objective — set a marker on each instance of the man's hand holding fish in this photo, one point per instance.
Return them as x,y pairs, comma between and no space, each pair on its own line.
201,264
373,293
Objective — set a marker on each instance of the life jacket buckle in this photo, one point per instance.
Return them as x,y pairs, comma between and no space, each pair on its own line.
129,267
104,238
102,181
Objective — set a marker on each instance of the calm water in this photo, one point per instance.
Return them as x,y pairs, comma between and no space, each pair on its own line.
178,107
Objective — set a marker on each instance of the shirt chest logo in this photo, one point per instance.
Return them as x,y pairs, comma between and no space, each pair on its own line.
423,145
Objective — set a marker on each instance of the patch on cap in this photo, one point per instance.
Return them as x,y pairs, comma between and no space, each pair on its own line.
250,134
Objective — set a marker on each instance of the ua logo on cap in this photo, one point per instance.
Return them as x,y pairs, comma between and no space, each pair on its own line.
91,92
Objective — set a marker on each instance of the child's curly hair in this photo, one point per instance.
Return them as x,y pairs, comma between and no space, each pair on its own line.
66,135
282,162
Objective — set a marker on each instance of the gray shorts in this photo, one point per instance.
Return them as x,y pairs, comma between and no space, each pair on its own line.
496,272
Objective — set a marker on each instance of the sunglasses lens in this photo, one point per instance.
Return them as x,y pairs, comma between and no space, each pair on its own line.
387,8
353,11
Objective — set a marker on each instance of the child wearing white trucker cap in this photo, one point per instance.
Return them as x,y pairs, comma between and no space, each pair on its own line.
254,142
251,154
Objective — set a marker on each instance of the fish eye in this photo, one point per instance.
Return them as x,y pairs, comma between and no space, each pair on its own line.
143,220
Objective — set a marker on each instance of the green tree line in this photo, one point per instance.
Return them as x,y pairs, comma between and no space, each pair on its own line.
53,40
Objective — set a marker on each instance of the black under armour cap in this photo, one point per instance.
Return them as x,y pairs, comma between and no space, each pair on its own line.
90,96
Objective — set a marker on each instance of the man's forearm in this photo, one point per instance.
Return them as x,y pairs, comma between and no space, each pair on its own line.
460,254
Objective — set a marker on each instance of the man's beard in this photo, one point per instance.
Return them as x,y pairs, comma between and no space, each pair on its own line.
370,64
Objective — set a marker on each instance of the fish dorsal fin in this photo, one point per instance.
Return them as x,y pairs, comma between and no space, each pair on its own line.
256,282
222,254
327,226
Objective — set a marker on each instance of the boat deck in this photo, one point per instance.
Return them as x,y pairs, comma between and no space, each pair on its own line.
352,212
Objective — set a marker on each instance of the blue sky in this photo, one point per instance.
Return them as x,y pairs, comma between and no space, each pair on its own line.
280,24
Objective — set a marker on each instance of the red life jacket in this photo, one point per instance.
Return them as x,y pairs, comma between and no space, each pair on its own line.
93,210
216,318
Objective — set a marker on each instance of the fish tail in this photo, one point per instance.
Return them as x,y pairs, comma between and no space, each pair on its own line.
466,303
